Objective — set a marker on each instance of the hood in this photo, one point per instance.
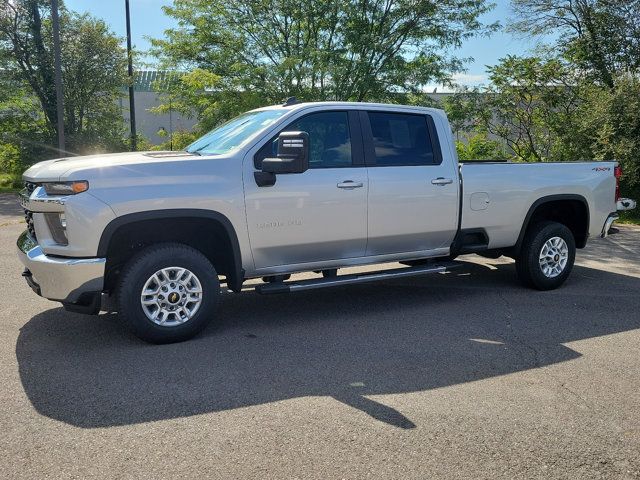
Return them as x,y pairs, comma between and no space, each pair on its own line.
64,168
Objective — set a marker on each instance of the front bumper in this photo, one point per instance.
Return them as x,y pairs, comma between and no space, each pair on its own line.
59,278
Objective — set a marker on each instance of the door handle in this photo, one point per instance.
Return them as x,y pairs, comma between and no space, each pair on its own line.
349,185
441,181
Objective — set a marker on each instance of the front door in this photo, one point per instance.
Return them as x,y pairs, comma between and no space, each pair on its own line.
321,214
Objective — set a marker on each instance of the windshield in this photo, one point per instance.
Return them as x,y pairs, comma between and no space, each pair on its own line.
232,134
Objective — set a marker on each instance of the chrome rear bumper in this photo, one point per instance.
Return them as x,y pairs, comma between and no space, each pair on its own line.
607,225
58,278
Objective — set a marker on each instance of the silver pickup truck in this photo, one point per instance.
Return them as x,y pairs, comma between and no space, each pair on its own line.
299,187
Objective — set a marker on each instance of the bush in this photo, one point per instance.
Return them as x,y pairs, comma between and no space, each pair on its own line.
10,182
479,147
10,161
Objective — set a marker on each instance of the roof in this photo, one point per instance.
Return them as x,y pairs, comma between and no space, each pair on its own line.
153,80
352,105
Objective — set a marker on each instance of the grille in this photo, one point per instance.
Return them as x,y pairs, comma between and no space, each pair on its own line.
30,187
28,216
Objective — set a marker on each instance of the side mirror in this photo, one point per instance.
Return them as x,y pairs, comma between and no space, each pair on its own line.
293,154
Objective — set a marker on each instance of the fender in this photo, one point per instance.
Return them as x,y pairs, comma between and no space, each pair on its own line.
236,277
547,199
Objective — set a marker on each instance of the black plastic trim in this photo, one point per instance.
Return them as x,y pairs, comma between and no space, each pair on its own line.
462,247
88,304
547,199
236,277
264,179
28,276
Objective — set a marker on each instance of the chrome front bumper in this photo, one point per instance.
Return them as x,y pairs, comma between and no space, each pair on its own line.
58,278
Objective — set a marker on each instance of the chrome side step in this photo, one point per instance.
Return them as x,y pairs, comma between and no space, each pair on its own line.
295,286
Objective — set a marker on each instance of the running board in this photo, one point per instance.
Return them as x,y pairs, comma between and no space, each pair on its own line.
295,286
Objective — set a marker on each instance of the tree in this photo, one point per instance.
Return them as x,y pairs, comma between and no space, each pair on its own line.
610,119
261,51
479,147
602,37
530,103
93,65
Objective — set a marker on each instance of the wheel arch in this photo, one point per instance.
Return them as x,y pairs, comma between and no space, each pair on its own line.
571,210
210,232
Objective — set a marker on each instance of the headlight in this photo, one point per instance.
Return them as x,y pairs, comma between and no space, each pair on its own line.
66,188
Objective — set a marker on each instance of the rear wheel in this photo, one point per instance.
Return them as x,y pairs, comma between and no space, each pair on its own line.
168,293
547,256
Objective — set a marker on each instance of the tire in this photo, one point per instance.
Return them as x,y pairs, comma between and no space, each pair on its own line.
529,265
178,321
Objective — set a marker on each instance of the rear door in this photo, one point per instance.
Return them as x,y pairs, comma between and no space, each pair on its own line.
318,215
413,193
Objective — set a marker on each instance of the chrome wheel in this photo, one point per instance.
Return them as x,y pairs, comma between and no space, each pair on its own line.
171,296
553,257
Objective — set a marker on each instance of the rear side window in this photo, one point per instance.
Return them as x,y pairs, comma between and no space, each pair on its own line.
401,140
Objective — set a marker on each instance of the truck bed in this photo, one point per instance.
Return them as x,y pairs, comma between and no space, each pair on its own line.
497,196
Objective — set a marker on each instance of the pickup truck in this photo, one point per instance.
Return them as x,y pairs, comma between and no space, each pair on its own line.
299,187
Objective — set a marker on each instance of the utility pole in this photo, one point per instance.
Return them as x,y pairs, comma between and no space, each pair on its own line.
55,20
132,105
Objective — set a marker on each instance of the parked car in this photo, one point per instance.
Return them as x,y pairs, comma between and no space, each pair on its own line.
299,187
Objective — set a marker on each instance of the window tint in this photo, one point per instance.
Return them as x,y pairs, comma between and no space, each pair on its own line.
401,139
329,139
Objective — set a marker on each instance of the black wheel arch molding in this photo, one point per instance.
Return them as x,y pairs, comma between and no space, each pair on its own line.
554,198
235,277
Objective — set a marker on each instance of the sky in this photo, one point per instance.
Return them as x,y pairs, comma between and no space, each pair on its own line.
148,20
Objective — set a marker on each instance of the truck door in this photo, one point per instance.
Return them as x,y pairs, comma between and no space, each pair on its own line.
317,215
413,193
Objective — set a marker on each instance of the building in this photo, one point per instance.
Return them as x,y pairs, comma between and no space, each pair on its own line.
154,127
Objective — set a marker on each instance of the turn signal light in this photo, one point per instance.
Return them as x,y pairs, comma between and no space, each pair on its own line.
66,188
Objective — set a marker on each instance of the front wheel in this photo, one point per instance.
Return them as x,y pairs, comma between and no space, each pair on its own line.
547,256
168,293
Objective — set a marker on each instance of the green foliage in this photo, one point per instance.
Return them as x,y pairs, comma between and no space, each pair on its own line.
10,182
179,141
530,104
93,64
479,147
600,37
543,111
9,158
256,52
610,120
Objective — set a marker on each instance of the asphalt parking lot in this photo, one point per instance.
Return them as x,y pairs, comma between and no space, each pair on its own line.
460,375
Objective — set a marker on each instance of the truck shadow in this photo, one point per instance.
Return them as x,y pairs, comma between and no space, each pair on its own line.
352,344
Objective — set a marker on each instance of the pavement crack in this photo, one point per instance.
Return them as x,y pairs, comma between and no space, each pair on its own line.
535,354
557,382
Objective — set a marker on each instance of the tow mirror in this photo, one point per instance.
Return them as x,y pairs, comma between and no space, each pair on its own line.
293,154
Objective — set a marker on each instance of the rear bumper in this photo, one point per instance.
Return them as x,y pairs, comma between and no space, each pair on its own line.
63,279
607,224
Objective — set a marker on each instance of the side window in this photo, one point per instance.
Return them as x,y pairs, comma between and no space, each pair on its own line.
329,138
401,139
